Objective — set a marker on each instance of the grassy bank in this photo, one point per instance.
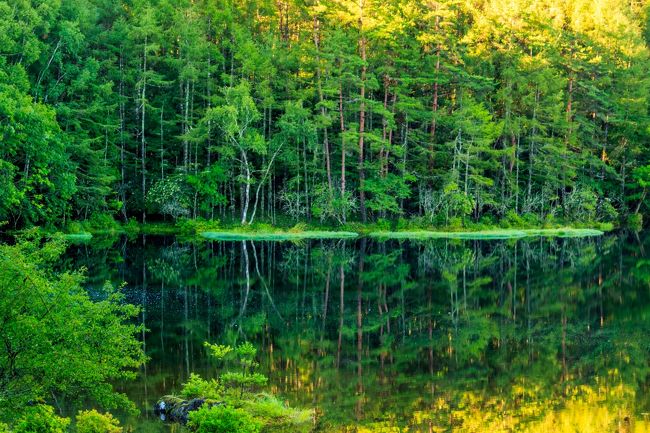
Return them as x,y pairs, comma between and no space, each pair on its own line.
277,236
288,231
78,237
563,232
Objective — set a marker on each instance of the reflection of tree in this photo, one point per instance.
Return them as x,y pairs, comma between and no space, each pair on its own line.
435,335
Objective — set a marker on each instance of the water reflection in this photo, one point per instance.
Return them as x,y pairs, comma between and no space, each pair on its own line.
525,335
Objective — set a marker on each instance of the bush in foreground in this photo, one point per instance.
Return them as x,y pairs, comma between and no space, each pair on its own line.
41,419
222,419
233,403
91,421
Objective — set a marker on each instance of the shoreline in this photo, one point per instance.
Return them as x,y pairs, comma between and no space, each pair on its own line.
291,234
493,234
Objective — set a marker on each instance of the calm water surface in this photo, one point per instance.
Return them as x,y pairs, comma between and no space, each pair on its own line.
435,335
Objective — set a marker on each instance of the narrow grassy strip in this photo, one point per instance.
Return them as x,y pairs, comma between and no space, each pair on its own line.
288,235
489,234
78,237
564,232
279,236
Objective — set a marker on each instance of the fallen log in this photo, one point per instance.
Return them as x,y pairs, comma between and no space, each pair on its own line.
175,409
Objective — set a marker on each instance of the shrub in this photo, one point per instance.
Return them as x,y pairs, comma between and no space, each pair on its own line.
402,224
635,222
531,219
605,226
222,419
487,221
512,219
132,226
244,378
299,228
52,318
103,221
550,221
608,212
91,421
41,419
197,387
581,204
74,227
455,223
186,226
170,196
382,225
277,417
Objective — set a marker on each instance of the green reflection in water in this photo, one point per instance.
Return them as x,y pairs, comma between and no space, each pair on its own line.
437,335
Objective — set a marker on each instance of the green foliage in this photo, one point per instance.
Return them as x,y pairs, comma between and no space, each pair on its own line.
218,351
186,226
50,317
482,110
196,387
206,185
131,226
245,379
277,417
37,178
635,222
170,196
336,207
231,402
41,419
581,205
222,419
642,176
91,421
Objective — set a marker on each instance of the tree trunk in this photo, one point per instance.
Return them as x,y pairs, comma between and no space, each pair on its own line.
143,142
326,150
362,116
247,190
434,108
384,126
122,151
569,119
259,185
531,154
342,148
186,109
162,143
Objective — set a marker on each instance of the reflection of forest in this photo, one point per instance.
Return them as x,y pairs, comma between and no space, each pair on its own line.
529,335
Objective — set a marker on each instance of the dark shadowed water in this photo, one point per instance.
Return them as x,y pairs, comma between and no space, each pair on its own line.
427,335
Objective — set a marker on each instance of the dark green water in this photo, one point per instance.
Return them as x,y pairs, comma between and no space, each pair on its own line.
424,334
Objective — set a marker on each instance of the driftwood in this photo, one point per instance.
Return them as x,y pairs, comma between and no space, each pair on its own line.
175,409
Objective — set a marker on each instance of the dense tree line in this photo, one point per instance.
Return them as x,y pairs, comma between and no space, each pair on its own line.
334,110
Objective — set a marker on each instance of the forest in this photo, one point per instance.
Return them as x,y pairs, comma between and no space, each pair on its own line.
440,112
337,216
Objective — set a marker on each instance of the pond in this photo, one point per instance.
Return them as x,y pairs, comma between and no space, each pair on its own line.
377,335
